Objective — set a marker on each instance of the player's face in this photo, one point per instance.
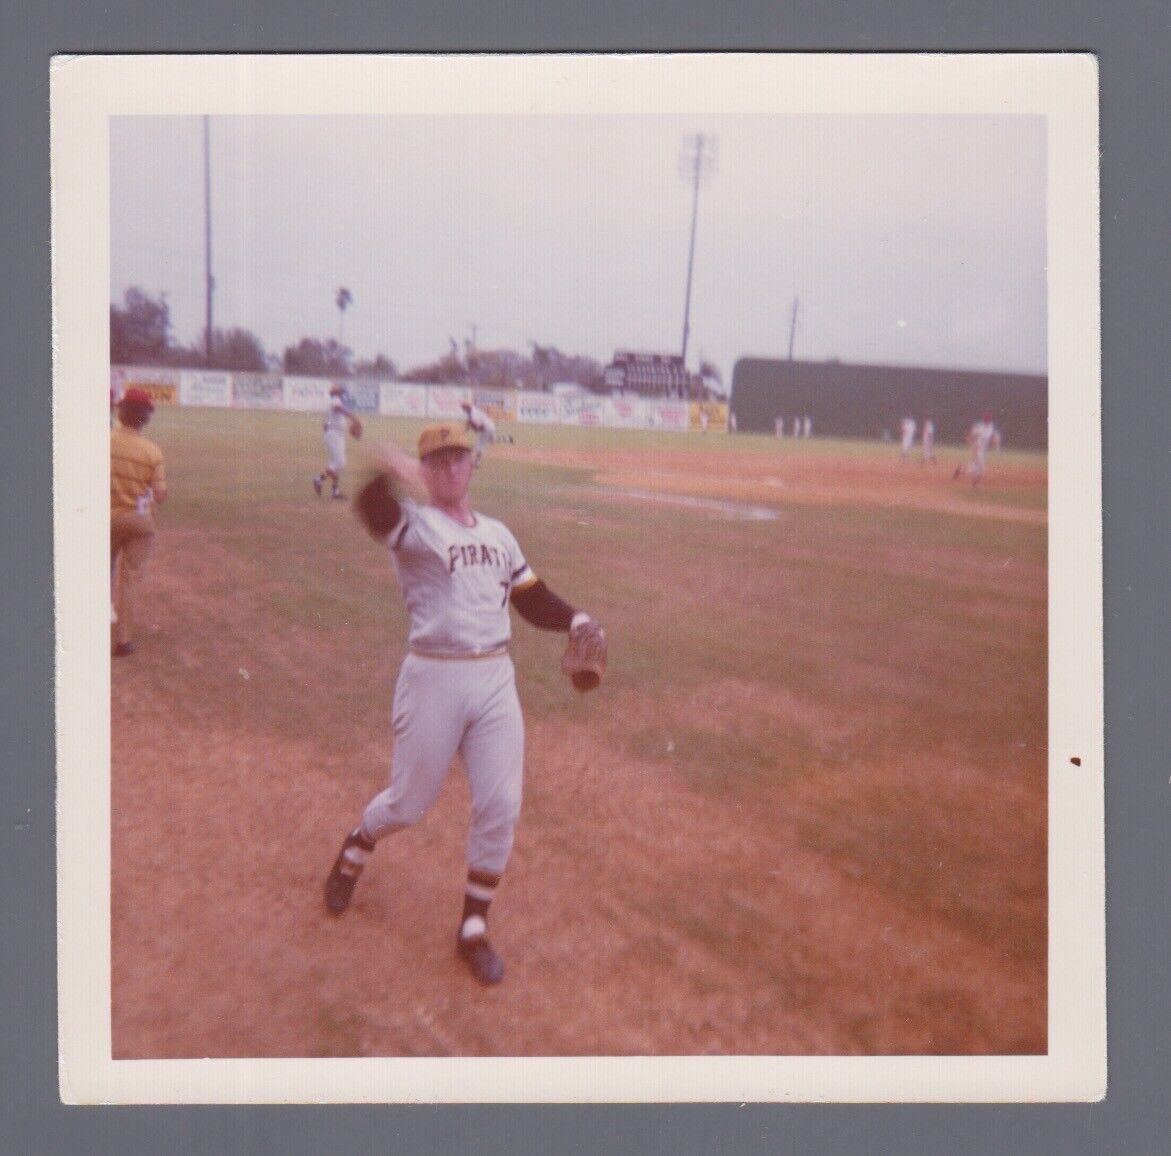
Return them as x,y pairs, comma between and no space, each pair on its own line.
447,475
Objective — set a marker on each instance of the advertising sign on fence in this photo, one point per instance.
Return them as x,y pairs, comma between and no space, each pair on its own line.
624,412
498,404
543,408
443,401
306,393
257,391
401,400
361,396
668,414
577,410
705,416
161,384
199,388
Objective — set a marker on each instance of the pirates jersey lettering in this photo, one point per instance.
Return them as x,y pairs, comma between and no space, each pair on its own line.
456,580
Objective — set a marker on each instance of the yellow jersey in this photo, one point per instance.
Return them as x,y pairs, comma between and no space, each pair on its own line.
136,467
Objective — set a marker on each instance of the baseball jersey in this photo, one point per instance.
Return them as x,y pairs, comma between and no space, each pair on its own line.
456,580
335,416
136,466
983,432
480,421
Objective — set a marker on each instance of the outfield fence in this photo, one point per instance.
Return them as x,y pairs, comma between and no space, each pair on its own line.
274,391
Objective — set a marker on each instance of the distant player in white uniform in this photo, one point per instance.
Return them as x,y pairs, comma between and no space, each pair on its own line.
908,431
981,437
479,423
928,440
339,420
459,571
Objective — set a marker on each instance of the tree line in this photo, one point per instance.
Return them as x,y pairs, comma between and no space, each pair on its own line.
141,334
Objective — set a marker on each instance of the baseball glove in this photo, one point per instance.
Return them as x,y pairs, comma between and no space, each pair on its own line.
355,429
584,660
376,506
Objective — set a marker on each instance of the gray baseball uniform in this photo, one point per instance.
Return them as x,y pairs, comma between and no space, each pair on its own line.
335,429
483,427
459,572
456,689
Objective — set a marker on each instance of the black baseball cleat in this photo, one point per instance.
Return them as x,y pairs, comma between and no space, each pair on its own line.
344,875
123,649
317,486
484,963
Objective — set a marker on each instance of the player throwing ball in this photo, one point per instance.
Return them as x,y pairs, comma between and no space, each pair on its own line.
480,424
459,571
339,420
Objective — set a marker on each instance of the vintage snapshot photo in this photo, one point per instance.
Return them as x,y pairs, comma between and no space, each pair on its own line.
602,577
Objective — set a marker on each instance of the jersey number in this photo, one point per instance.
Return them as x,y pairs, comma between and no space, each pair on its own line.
506,586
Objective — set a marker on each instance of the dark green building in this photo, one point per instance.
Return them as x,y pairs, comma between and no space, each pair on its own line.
870,401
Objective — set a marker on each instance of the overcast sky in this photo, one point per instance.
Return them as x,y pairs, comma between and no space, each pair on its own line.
912,240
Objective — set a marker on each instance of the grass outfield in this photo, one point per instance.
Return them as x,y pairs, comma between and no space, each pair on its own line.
805,814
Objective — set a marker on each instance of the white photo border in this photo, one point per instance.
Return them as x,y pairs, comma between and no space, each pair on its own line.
87,91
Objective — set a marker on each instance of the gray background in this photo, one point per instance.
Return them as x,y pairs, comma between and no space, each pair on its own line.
1132,43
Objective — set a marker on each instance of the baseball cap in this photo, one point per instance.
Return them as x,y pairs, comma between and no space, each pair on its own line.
137,397
445,435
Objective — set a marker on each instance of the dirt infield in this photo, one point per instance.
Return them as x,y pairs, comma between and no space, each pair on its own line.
806,813
837,479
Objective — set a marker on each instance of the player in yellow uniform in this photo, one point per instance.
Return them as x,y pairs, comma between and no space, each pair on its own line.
138,479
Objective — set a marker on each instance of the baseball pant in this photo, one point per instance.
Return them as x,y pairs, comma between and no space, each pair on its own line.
335,450
131,538
446,705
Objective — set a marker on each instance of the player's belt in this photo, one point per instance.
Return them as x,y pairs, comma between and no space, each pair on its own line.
495,652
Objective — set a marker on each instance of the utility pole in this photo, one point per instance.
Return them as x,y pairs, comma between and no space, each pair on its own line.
793,326
698,161
209,280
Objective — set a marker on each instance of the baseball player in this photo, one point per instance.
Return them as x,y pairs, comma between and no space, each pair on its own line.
928,440
908,431
459,571
982,436
479,423
339,420
138,480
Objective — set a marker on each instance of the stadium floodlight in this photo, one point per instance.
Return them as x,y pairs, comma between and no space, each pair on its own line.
696,163
343,301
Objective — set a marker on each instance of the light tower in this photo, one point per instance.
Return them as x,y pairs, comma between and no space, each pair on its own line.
343,301
696,163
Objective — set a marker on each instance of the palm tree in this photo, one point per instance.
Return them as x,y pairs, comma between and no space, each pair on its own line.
344,300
